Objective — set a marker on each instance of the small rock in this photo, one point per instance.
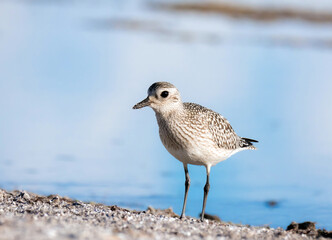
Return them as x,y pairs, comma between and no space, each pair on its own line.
114,208
77,203
307,226
324,233
272,203
293,226
55,199
310,226
22,196
165,212
211,217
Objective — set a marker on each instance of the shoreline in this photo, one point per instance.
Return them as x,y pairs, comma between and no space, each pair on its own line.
25,215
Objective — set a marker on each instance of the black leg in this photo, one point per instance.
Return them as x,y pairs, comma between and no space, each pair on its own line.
206,190
187,184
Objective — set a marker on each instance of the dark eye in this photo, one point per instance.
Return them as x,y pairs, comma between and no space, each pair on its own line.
164,94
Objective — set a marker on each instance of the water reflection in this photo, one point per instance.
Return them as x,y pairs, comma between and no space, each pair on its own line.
67,126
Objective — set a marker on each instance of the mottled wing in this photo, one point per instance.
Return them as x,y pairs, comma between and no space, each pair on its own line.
222,132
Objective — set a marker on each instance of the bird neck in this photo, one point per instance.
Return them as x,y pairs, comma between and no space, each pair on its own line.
170,111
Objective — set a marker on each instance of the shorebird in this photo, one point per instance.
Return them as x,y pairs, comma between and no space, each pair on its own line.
192,133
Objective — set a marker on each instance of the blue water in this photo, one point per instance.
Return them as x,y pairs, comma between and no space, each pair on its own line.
70,72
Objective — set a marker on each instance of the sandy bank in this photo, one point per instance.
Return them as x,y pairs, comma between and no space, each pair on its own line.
30,216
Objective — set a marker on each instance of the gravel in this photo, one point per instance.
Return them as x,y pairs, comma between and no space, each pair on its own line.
26,215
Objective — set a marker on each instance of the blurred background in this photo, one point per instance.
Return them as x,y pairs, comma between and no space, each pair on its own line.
71,70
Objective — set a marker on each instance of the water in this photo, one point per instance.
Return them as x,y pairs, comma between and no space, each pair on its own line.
70,72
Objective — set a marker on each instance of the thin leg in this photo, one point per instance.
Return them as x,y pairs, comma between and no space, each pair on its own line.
206,190
187,184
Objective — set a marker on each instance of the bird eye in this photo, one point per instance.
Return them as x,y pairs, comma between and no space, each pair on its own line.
164,94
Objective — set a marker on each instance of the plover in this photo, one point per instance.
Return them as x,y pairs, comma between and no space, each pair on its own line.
192,133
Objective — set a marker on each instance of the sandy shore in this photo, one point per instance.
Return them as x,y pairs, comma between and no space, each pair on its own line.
30,216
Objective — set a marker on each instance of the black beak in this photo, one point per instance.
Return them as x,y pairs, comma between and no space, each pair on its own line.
144,103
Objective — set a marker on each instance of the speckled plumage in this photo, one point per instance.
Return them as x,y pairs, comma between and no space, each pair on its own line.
197,135
222,132
192,133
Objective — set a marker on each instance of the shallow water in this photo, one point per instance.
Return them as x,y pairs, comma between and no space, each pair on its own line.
71,71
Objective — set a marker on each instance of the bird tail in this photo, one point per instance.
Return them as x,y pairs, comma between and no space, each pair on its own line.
248,143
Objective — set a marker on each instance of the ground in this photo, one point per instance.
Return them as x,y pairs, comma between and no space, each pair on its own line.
26,215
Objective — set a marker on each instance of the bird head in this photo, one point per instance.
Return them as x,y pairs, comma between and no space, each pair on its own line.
163,97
